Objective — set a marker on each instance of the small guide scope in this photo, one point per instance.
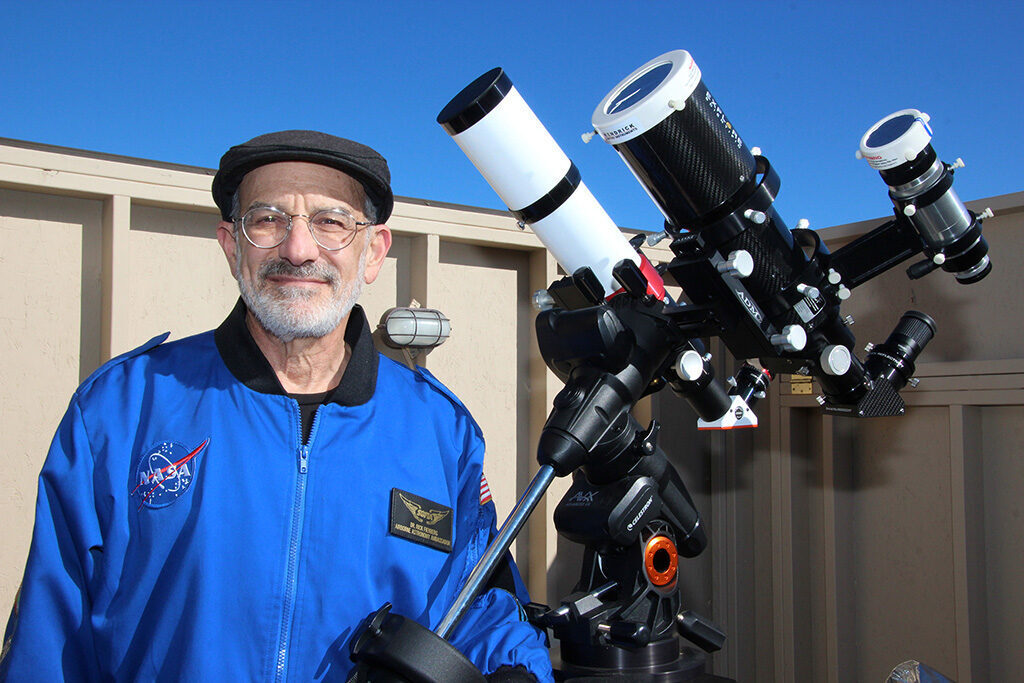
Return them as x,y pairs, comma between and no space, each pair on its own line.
921,188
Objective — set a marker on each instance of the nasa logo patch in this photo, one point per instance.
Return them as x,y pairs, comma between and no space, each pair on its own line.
165,472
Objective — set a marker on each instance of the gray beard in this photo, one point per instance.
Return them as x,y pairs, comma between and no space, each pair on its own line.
274,308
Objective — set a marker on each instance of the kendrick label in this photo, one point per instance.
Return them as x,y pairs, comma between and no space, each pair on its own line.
420,520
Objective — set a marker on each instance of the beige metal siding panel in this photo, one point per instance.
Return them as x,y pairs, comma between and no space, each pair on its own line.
179,280
479,290
40,331
996,450
894,532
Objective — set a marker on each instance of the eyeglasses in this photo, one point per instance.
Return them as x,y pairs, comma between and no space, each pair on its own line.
333,229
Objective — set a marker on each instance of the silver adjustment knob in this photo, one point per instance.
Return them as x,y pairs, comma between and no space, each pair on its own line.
793,338
655,237
755,216
689,365
739,264
809,291
835,360
543,301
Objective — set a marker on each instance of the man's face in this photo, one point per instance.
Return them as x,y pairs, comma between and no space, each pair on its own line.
298,289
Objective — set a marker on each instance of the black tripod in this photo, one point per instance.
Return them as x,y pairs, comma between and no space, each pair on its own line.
624,618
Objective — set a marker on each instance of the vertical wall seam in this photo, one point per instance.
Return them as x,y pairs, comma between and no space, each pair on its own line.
116,275
542,388
829,545
782,544
425,275
958,512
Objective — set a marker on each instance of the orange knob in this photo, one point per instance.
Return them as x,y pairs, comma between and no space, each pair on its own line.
661,560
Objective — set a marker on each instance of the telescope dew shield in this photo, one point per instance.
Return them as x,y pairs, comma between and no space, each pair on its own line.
497,130
676,140
921,188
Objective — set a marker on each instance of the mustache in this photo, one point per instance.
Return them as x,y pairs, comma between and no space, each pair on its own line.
316,270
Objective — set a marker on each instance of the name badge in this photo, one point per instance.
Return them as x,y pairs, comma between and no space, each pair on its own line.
420,520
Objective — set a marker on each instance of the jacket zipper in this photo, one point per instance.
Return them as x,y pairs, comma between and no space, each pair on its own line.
294,546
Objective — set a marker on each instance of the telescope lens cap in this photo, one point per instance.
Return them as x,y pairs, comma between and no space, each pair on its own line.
639,88
890,130
475,101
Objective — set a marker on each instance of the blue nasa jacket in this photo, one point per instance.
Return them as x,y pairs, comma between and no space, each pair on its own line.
184,531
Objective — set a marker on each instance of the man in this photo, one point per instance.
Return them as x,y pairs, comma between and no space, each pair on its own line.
230,506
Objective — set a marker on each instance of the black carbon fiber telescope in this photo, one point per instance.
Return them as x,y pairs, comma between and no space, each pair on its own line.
676,139
680,145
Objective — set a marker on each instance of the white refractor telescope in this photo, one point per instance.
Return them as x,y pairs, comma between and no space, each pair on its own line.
497,130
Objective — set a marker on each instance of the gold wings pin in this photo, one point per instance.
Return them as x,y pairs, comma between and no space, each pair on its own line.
429,518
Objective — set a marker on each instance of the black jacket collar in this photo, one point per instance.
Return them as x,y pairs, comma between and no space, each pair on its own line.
250,367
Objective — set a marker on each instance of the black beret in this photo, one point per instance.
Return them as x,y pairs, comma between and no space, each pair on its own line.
354,159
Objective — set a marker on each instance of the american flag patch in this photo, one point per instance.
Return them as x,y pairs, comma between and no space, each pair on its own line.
485,490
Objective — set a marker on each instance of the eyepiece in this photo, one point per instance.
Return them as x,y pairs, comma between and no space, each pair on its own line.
894,360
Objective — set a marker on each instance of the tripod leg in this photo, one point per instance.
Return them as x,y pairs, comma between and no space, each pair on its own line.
496,550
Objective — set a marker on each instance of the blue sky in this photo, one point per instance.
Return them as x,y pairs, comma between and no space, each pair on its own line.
181,82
